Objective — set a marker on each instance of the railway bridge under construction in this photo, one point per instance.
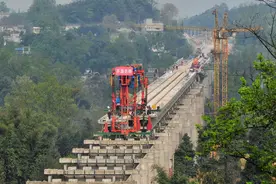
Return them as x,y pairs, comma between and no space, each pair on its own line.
180,95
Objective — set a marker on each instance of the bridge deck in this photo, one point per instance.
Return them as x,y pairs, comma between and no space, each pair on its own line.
120,160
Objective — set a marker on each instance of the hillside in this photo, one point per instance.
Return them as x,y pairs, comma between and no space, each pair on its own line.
239,15
88,11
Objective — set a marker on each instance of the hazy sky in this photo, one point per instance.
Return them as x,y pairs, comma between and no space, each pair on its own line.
186,7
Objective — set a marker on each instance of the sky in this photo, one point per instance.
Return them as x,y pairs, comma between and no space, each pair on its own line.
186,7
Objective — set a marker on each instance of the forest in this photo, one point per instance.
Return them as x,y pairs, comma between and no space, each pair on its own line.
241,137
47,106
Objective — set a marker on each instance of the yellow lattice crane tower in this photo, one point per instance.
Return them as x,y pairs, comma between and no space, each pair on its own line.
220,41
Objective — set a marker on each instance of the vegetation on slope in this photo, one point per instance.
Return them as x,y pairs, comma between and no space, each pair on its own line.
242,134
47,105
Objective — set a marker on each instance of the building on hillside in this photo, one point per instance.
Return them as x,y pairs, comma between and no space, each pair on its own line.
124,30
12,33
4,14
13,37
71,26
151,26
36,30
23,50
12,29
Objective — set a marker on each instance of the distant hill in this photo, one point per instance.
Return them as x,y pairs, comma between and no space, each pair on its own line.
190,8
87,11
239,15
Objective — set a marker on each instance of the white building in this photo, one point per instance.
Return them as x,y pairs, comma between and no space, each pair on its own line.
13,37
150,25
71,26
3,14
36,30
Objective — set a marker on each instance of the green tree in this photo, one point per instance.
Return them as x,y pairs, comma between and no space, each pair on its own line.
34,117
184,158
110,22
44,14
162,177
246,126
168,12
3,7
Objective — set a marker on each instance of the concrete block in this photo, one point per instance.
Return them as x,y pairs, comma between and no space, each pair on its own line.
113,157
74,161
120,151
87,168
65,160
106,180
136,151
83,161
112,151
56,180
84,157
53,171
102,151
89,172
91,161
110,161
128,161
99,157
120,161
78,150
99,172
118,168
93,152
79,172
128,151
70,172
127,157
102,168
109,172
72,168
90,180
101,161
72,180
60,172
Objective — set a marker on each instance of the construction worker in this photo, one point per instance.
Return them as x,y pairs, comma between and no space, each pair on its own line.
149,110
118,103
109,112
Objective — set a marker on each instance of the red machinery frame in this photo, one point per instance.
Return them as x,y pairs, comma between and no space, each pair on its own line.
128,106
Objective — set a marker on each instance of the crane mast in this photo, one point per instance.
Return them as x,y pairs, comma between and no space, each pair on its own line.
216,52
220,41
224,69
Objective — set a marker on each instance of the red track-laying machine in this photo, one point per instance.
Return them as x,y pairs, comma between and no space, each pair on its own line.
127,115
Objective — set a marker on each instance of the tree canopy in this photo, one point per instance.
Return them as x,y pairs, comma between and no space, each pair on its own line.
245,128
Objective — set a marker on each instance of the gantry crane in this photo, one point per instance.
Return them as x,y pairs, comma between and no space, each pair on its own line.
220,41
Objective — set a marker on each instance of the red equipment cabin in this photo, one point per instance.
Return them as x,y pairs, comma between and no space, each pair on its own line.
126,115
